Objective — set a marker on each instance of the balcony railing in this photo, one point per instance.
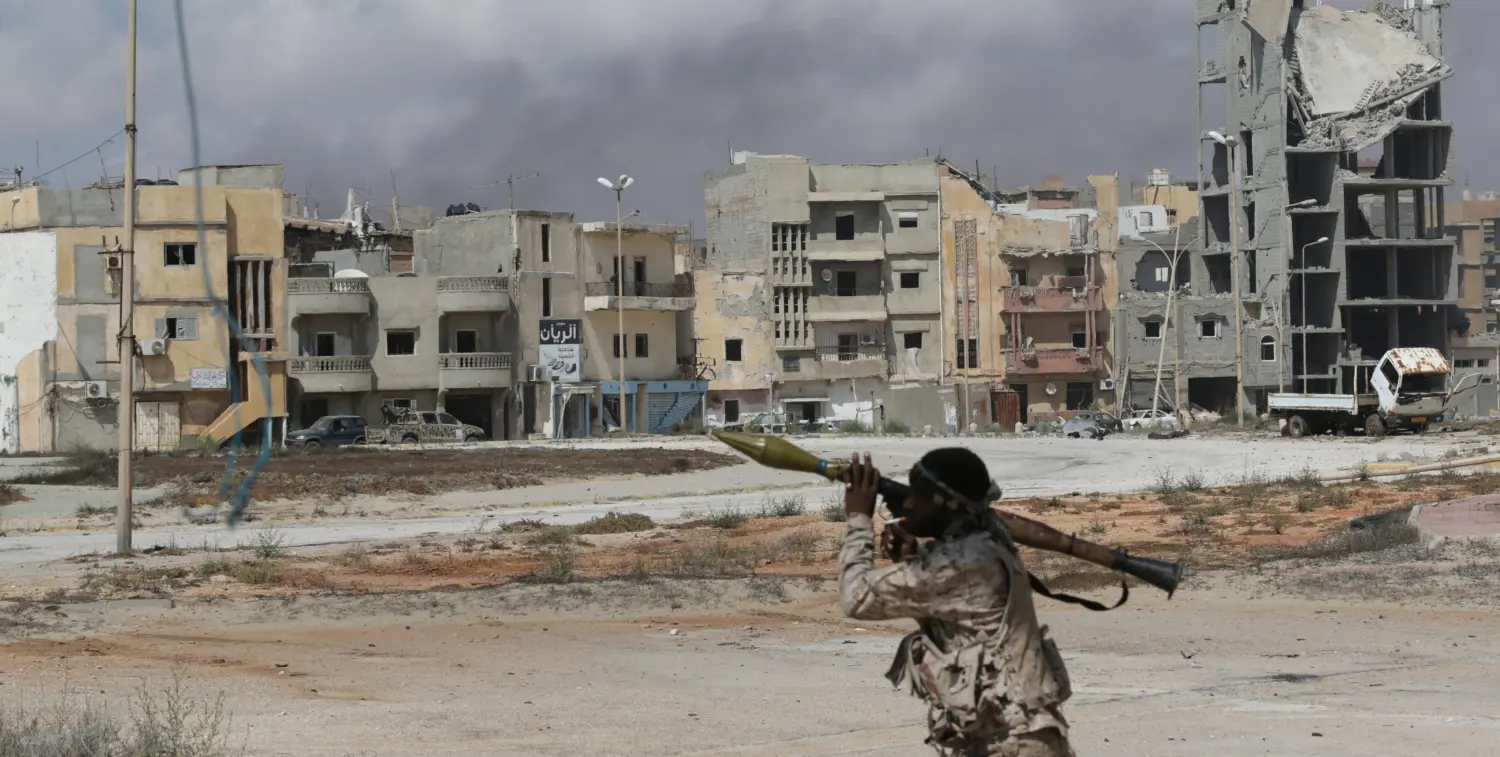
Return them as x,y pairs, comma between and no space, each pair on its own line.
329,364
475,360
637,289
474,284
850,354
328,286
1054,360
1061,298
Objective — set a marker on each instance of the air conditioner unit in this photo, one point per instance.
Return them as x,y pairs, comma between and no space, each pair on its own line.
112,262
1083,353
96,390
1106,385
152,346
536,373
867,340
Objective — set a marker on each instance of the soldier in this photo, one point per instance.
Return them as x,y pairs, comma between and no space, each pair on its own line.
993,680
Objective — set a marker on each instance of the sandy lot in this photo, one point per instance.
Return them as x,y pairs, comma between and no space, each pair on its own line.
710,625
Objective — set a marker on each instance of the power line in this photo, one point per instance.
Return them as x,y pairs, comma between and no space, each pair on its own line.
81,156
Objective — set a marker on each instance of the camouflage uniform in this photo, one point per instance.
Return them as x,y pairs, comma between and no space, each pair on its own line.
993,681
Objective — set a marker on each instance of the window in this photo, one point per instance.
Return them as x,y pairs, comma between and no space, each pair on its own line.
848,346
430,417
1161,274
324,344
907,221
1153,329
400,342
1080,338
791,364
733,349
403,403
180,254
912,340
845,286
1080,395
546,243
1463,363
843,227
181,329
640,345
1208,328
911,280
731,411
1073,271
546,298
1018,277
465,341
1147,220
640,270
447,420
617,346
968,353
1268,349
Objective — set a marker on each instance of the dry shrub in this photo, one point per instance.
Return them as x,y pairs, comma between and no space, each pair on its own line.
615,523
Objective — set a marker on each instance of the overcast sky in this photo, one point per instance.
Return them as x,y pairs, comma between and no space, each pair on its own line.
454,93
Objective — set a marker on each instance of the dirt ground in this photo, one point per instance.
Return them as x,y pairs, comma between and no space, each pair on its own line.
720,634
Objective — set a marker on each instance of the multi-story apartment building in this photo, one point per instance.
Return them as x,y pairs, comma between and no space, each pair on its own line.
61,315
819,288
503,323
1032,284
1327,113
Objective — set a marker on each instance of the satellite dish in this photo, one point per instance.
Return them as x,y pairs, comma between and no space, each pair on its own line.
1051,388
827,274
351,273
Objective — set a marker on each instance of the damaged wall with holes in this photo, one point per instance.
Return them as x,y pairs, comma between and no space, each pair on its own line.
1326,169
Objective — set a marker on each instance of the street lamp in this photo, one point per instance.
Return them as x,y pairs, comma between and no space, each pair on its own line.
618,188
1231,142
1319,240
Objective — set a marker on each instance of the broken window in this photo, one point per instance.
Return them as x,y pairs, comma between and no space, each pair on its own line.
912,340
731,411
1218,273
1153,329
844,227
1268,349
400,342
733,349
845,286
911,280
907,221
465,341
1078,229
1018,277
185,253
181,329
1208,328
1073,271
1080,395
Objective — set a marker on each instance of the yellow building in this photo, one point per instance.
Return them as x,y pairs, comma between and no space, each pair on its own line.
188,370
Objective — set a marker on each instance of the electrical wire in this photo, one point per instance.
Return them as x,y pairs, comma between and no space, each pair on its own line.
85,154
239,501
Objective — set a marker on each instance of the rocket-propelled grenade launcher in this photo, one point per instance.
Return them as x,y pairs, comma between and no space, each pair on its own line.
775,452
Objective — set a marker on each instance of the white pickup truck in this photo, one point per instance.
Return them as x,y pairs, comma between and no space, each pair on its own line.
1409,388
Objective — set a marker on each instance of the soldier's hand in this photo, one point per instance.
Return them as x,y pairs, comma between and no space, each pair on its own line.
897,544
860,485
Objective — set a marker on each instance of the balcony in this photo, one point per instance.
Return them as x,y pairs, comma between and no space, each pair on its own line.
836,363
332,374
1071,295
846,250
328,296
639,295
1065,360
859,307
475,370
473,294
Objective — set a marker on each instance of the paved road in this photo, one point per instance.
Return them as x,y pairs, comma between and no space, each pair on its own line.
1024,467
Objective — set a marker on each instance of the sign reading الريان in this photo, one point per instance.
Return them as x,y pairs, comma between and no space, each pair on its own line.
560,348
209,378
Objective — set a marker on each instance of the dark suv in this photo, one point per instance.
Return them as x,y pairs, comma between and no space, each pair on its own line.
330,431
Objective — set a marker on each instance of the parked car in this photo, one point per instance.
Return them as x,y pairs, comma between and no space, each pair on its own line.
1150,419
760,423
330,431
425,427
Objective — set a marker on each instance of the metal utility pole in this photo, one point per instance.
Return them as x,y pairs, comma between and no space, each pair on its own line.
619,189
510,186
126,419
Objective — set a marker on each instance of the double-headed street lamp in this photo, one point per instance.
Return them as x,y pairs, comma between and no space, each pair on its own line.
618,188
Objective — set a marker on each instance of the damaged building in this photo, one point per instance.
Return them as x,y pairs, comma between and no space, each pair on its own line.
819,292
1333,122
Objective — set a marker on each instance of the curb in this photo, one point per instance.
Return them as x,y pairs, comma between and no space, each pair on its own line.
1429,539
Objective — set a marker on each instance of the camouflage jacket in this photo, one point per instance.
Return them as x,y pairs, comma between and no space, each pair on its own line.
980,659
